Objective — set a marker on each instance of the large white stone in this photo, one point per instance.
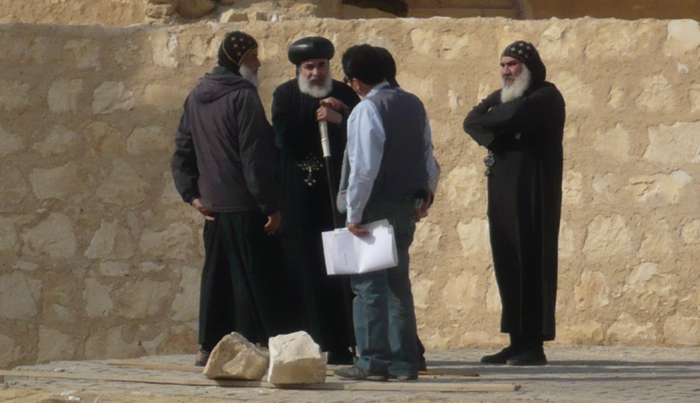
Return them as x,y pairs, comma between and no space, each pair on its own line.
592,291
86,53
63,95
112,343
112,96
97,298
54,345
185,307
657,244
421,292
164,45
149,140
111,241
53,237
10,142
463,186
62,183
13,95
577,92
13,188
8,237
164,96
572,188
629,332
426,238
294,359
474,238
608,238
682,330
176,242
614,145
462,292
9,352
234,357
683,37
659,190
16,298
657,94
691,233
142,299
124,186
674,145
59,141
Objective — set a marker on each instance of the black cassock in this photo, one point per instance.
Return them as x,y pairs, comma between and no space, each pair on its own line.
306,209
524,202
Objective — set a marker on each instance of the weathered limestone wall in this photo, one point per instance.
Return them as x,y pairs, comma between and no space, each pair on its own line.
100,258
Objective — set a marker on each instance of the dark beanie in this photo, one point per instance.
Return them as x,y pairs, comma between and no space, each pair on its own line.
312,47
233,49
388,64
528,55
364,63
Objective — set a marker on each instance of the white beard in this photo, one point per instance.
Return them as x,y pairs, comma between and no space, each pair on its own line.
313,90
517,88
250,75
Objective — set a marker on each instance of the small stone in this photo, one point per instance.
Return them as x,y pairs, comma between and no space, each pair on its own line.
236,358
295,359
233,16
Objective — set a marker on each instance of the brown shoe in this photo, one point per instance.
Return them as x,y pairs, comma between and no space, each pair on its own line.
202,358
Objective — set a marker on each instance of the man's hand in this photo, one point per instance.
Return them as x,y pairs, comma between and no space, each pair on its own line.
423,210
357,229
273,223
335,104
329,115
208,215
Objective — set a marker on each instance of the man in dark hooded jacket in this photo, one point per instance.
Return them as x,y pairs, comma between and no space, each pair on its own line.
223,166
522,126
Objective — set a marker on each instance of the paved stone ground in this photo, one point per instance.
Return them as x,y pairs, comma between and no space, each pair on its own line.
575,374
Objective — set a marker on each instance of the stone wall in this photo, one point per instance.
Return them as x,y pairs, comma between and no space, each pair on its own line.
100,258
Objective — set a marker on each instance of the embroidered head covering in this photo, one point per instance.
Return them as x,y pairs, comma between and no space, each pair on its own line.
312,47
233,49
528,55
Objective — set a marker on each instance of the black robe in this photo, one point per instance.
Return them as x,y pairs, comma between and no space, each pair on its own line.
305,204
524,203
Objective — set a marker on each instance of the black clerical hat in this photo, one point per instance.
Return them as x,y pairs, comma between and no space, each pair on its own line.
312,47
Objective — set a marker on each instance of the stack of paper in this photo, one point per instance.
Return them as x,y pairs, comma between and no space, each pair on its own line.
346,253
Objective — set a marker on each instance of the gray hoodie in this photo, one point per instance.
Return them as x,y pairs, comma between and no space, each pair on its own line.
224,147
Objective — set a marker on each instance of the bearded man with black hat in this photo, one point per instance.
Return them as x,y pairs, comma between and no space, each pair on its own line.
522,126
223,166
298,106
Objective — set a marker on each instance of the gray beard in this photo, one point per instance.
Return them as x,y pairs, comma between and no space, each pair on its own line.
517,88
250,75
313,90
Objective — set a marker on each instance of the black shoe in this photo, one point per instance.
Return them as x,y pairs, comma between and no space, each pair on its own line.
422,365
528,357
502,356
202,358
358,374
341,357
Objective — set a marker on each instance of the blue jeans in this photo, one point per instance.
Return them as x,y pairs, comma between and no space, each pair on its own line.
383,313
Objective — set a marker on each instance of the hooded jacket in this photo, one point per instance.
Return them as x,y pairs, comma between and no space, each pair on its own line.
224,147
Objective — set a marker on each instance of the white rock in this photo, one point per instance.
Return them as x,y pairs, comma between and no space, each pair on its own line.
474,237
10,142
111,96
294,359
60,140
53,237
63,95
16,297
236,358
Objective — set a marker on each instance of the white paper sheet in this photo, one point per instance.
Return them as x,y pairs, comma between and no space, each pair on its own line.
346,253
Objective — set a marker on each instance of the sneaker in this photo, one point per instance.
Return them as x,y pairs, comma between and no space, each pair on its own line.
501,357
358,374
528,357
202,358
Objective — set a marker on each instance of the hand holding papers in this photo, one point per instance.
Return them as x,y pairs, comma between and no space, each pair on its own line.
346,253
